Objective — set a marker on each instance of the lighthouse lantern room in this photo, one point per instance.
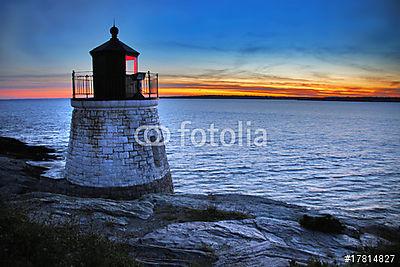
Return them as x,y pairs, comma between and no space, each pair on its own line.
115,74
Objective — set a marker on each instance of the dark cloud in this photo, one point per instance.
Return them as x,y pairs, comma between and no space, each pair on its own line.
193,46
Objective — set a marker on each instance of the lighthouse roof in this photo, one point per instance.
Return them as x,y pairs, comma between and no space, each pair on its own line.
115,45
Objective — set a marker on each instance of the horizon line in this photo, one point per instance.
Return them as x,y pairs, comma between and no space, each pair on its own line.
305,98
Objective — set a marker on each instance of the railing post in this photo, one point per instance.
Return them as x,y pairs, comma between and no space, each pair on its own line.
157,83
73,84
148,73
86,85
91,85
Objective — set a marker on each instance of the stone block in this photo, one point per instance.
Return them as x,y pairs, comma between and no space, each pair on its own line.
128,147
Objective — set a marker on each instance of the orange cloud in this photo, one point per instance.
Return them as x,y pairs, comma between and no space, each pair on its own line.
35,93
278,86
231,86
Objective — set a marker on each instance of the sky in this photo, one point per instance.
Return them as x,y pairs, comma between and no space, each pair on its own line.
266,48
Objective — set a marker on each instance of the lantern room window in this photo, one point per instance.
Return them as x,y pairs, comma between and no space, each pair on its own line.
131,64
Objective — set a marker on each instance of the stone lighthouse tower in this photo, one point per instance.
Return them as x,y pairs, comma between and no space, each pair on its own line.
108,155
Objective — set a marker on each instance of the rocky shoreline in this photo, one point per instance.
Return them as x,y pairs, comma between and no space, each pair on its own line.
178,229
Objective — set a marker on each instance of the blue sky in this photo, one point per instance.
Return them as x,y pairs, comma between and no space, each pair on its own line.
340,43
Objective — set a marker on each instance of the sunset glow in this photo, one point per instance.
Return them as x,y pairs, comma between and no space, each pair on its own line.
235,87
291,49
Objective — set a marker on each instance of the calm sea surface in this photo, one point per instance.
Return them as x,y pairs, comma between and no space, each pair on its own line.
333,156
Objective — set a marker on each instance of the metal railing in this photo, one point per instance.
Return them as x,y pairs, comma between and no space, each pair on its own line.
82,84
142,85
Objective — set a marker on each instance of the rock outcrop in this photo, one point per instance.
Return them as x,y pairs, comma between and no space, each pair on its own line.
185,230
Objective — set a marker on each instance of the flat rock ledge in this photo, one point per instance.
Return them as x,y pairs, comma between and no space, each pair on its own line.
160,231
271,237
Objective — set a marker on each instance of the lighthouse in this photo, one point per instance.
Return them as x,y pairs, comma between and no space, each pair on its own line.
112,108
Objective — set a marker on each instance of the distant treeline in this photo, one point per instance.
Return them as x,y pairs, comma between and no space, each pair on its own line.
330,98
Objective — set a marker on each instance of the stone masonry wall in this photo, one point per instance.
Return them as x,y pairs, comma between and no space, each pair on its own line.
102,149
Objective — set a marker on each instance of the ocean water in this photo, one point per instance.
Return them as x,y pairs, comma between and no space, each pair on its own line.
338,157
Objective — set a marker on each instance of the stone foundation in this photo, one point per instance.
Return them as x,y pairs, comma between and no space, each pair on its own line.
62,186
104,155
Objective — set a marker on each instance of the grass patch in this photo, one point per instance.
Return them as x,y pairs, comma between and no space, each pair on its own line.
24,243
312,262
325,223
210,214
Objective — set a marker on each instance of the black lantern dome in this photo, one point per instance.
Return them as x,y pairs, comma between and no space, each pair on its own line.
114,44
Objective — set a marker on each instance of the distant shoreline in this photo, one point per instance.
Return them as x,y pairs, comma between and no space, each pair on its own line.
329,98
